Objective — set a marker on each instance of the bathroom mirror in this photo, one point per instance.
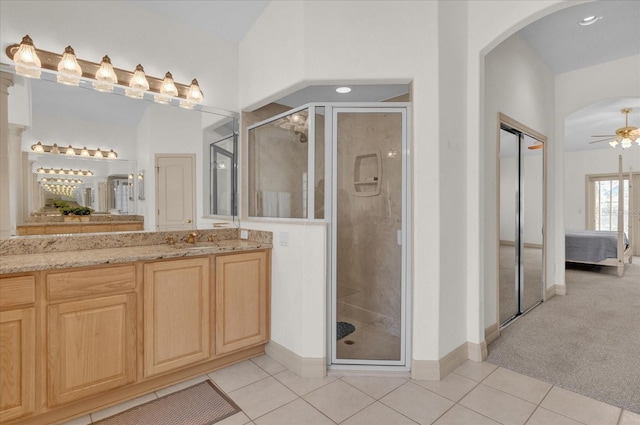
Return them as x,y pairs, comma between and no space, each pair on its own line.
46,111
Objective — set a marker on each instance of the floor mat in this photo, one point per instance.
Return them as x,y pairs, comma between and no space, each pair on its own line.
201,404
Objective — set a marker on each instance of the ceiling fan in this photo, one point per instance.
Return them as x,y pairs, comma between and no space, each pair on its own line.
625,136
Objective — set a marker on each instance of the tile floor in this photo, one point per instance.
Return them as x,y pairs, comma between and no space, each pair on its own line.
474,394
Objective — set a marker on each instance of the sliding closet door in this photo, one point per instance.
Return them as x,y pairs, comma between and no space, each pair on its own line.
532,178
509,226
521,243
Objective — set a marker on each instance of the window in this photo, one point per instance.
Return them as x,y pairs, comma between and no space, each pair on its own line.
603,203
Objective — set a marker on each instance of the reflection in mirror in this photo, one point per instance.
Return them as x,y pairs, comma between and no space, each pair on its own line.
221,141
51,113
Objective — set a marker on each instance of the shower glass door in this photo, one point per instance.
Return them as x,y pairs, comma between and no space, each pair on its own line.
368,236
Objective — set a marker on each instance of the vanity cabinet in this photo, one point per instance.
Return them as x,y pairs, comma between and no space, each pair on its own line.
17,347
91,332
176,314
242,300
77,340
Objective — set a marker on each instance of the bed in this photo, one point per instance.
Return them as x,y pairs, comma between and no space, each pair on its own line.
602,248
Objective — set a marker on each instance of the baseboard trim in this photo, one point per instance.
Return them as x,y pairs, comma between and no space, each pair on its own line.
477,352
306,367
491,333
560,289
435,370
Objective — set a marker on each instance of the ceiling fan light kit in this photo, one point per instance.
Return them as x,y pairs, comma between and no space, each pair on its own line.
625,136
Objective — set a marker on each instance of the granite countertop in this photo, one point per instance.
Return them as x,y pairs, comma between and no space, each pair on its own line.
66,223
36,254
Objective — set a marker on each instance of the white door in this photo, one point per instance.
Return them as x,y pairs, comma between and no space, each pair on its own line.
175,192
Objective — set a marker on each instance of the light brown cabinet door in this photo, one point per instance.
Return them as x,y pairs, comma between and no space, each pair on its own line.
91,347
176,314
242,301
17,363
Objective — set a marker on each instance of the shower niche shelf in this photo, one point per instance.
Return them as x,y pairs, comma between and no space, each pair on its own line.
367,173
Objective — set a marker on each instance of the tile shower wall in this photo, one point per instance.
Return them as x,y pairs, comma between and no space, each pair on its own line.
369,256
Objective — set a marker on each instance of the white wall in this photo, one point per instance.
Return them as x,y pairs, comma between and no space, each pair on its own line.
349,42
518,84
579,164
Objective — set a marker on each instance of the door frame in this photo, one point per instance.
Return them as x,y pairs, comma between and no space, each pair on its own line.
506,120
192,156
331,152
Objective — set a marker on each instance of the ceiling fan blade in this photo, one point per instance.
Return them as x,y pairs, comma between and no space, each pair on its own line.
605,135
603,140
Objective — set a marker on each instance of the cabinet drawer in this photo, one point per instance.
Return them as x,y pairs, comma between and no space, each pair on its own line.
19,290
77,283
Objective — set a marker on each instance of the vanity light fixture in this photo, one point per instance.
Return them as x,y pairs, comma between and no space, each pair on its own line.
343,90
167,90
69,71
60,180
29,62
60,189
105,76
138,84
194,96
71,151
141,185
64,171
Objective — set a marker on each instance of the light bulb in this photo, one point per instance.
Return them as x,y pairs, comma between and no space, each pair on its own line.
138,84
98,154
194,95
105,76
625,143
26,59
54,150
70,151
167,90
613,143
85,152
38,148
112,154
68,68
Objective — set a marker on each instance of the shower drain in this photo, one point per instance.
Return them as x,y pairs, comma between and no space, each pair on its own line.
349,342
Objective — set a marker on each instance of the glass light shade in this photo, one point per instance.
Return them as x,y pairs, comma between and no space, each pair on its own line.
112,154
70,151
98,154
613,143
138,84
194,96
54,150
38,148
27,60
85,152
105,76
168,90
69,69
625,143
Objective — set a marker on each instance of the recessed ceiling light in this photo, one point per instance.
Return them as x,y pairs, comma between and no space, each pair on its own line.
343,90
589,20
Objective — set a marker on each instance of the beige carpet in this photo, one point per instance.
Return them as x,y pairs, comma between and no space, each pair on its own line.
201,404
587,341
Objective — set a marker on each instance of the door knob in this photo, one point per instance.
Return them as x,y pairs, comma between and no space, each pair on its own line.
188,221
